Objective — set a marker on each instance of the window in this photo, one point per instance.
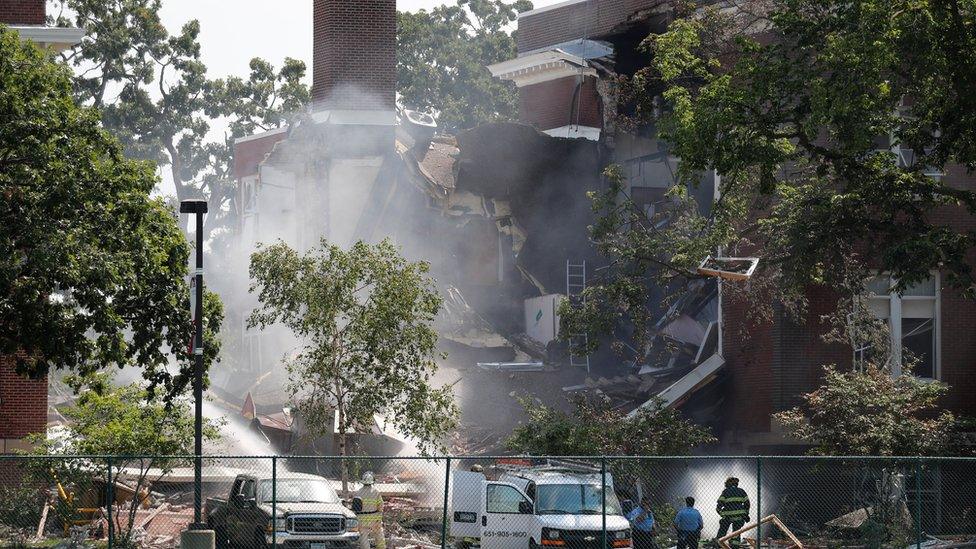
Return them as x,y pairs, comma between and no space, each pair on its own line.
575,499
913,323
299,490
503,499
248,490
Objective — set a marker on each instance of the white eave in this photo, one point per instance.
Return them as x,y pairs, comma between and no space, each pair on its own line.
555,6
541,67
57,38
354,117
261,135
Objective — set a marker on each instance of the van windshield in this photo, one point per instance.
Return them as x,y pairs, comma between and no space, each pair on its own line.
298,491
574,499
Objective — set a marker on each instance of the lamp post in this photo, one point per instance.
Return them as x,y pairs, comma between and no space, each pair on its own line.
199,208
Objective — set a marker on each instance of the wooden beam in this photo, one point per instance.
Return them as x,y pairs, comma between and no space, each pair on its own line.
145,522
724,541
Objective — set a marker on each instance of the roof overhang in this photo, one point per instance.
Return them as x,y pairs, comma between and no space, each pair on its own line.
556,6
56,38
354,117
541,67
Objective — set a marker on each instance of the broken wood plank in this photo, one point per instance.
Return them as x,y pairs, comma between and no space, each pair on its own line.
43,521
152,514
724,541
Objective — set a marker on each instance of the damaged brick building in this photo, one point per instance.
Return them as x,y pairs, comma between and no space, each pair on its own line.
501,212
562,71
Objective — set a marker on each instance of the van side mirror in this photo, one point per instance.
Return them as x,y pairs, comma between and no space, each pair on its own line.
525,507
357,505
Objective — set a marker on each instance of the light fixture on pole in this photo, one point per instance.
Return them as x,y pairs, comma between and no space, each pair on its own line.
199,208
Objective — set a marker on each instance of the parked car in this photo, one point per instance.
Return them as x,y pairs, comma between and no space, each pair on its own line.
308,514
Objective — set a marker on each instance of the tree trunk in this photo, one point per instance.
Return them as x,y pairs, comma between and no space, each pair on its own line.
343,469
174,170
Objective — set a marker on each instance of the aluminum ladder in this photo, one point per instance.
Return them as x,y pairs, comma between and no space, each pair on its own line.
575,284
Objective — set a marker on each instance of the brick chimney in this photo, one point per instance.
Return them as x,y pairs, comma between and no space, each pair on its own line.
354,55
22,12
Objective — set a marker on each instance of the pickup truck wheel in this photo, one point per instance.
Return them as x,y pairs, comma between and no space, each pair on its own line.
260,542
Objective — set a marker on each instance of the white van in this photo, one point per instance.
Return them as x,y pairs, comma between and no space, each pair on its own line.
536,508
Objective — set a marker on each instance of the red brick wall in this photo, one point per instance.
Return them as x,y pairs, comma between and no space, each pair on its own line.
23,402
550,104
22,12
747,346
590,18
354,54
772,363
958,315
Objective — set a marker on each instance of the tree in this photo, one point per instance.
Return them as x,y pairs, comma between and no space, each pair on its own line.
93,271
166,104
442,55
824,119
364,316
868,412
140,431
596,428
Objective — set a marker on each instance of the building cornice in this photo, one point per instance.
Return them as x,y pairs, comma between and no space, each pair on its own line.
57,38
541,67
556,6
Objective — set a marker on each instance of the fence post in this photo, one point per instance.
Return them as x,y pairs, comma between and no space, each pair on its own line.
759,516
603,496
274,501
918,502
109,499
447,484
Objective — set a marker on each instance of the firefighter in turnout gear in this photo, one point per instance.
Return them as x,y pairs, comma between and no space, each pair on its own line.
371,515
733,508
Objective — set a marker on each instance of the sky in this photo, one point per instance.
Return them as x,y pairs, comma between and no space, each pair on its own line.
230,37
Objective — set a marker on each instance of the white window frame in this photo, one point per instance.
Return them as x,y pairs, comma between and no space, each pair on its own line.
895,303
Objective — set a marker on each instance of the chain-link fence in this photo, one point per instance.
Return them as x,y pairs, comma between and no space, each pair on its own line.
491,502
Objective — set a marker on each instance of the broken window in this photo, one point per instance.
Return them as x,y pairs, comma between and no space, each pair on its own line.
912,320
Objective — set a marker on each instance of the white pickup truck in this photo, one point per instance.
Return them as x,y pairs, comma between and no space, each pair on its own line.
307,514
535,508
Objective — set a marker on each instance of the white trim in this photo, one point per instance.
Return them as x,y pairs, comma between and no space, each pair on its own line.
574,131
541,67
533,60
60,38
894,320
352,117
260,135
544,9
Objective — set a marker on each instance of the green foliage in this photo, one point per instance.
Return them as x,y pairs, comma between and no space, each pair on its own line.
20,512
365,316
869,412
127,423
165,102
442,55
92,269
643,253
595,428
803,108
